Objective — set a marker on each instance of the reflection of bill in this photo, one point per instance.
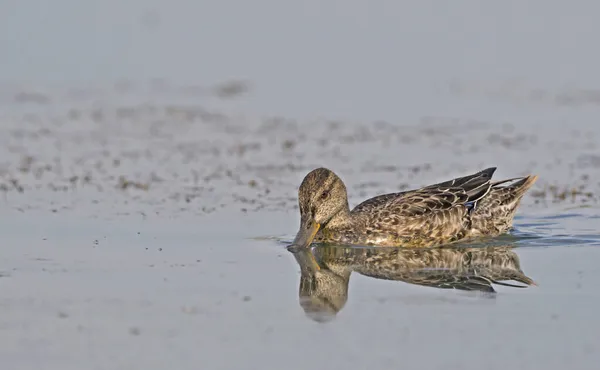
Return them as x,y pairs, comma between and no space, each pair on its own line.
325,271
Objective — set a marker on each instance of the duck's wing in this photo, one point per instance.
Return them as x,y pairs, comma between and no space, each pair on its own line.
440,196
468,181
462,192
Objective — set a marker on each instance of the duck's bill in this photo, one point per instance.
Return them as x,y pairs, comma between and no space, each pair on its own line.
306,234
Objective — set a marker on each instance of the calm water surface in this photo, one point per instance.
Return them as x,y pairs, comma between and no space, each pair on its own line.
76,293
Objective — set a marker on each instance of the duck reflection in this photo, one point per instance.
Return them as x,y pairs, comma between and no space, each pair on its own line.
326,269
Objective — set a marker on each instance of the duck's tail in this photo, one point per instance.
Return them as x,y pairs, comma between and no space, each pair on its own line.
519,188
495,212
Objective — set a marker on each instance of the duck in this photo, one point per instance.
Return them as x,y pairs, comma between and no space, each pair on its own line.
452,211
326,269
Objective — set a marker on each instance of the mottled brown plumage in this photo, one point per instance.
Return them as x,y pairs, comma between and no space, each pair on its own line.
451,211
326,270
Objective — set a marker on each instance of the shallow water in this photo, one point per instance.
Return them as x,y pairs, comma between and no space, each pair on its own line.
152,292
150,155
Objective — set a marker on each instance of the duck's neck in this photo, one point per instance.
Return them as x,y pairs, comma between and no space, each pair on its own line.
341,219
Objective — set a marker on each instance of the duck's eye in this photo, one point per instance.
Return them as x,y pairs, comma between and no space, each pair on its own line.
325,195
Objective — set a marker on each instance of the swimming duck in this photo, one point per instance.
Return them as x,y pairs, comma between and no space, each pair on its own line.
443,213
326,270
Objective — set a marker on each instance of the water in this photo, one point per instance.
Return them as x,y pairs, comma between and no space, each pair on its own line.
150,155
160,291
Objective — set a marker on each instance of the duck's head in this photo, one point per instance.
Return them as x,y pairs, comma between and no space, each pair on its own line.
322,196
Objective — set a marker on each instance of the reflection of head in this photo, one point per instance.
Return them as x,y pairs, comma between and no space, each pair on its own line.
323,294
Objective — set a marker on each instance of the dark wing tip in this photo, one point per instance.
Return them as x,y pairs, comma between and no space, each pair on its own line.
489,172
